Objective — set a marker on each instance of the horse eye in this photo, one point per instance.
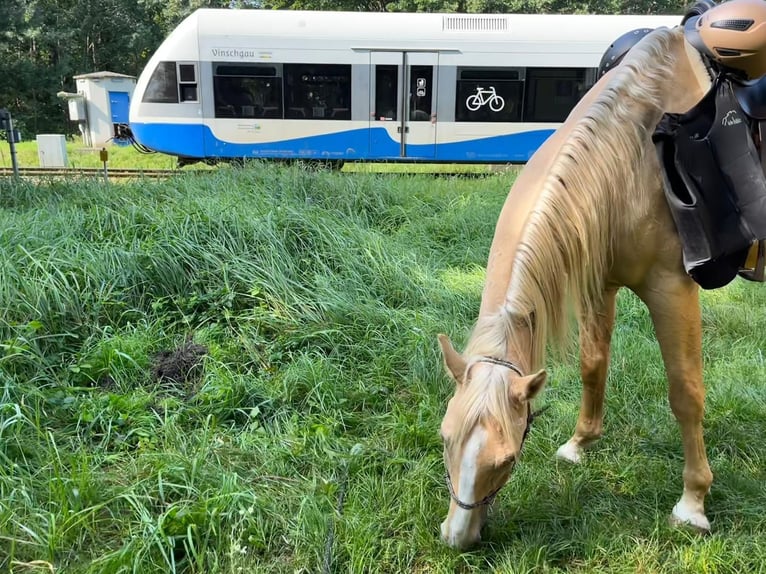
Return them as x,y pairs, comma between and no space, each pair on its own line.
509,461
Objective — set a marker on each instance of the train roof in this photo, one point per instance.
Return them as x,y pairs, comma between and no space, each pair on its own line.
252,35
370,28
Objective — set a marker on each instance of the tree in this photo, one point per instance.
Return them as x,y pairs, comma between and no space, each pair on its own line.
45,43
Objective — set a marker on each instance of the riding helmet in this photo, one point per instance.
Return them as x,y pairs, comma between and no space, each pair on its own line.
733,34
697,9
617,50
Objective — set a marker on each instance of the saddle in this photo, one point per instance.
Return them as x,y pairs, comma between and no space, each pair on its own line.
752,98
714,178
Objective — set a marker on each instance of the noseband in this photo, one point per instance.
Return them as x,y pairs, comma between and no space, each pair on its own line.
487,500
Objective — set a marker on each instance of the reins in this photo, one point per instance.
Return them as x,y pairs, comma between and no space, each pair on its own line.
531,416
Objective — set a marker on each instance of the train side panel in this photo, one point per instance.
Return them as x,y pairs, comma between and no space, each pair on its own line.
289,84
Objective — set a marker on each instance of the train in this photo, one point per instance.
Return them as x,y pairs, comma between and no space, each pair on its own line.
232,84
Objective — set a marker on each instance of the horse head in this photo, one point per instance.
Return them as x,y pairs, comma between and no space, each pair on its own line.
483,431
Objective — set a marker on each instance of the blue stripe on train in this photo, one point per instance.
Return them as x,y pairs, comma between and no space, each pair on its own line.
198,141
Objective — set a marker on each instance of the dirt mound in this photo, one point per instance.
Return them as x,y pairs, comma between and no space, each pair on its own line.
182,366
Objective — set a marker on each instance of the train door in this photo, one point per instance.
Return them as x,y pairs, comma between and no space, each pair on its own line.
403,104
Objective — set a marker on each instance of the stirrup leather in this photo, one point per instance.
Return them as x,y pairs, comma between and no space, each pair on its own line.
754,268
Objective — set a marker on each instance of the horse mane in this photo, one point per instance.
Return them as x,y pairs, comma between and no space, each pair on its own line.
565,250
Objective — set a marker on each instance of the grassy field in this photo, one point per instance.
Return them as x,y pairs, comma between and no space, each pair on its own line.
238,372
78,156
125,157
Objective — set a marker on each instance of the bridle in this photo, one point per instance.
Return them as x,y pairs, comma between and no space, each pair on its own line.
489,499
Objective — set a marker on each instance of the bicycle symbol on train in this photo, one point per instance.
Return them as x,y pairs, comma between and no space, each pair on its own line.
484,97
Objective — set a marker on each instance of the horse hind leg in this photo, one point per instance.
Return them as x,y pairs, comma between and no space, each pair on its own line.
675,310
595,340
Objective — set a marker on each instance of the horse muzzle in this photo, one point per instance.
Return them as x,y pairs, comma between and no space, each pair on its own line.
462,528
460,540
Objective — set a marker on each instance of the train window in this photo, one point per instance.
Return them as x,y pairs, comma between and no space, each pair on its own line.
386,92
490,74
552,93
247,91
489,95
188,92
163,85
187,85
187,73
245,70
317,91
421,86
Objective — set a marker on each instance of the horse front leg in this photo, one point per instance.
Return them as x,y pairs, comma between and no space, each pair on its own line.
675,310
595,340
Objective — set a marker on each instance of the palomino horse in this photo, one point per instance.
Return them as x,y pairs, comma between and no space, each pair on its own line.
585,217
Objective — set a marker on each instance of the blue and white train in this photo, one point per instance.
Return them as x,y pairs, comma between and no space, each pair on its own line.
350,86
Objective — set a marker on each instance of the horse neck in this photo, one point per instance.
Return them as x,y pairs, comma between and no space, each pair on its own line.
581,194
684,78
502,336
535,272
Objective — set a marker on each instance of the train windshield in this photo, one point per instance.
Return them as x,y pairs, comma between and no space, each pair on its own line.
163,85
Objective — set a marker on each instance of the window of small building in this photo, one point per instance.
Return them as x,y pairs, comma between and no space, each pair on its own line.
163,85
247,91
489,95
317,91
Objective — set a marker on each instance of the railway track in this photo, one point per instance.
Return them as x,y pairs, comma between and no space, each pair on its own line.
93,172
114,174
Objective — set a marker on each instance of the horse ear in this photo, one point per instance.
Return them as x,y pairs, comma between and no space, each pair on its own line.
452,360
526,388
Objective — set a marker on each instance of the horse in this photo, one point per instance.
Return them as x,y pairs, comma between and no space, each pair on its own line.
585,217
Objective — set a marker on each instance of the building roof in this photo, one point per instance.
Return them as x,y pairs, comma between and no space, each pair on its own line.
97,75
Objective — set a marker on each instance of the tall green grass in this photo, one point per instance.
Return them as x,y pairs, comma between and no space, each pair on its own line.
126,157
79,156
308,442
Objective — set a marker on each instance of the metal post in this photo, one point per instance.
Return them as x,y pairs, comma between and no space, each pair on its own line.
11,136
6,123
105,158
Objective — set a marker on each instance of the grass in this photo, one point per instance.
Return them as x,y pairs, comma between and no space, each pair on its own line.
306,441
78,156
125,157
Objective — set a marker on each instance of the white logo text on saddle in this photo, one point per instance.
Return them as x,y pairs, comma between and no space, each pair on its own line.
483,97
731,118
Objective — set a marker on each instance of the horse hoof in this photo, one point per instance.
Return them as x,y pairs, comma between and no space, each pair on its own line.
682,516
570,452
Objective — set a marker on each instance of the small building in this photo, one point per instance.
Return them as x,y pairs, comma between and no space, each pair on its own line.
100,106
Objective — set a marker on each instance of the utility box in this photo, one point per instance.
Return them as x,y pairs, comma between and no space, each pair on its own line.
77,109
106,104
51,150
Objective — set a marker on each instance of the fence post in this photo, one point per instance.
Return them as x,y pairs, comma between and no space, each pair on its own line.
6,123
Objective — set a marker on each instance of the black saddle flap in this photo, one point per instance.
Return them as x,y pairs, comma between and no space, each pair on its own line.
714,183
715,149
